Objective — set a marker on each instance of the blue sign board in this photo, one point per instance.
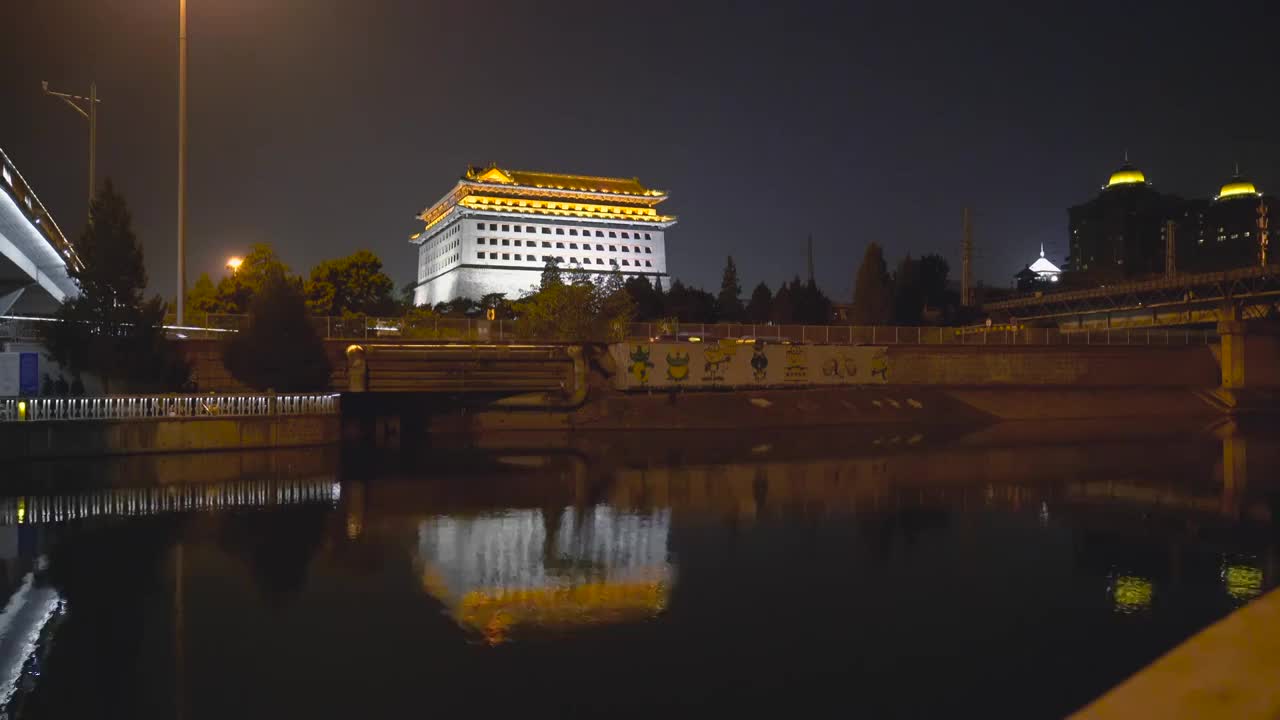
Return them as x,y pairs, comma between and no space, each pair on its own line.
29,374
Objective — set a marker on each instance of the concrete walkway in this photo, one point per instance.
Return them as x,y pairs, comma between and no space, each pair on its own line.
1230,670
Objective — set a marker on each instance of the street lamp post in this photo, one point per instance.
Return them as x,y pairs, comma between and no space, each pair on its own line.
182,156
90,113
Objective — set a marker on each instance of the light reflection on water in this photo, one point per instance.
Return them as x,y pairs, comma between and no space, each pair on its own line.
522,568
787,569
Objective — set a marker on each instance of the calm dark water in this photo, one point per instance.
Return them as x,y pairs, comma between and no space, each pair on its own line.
1014,572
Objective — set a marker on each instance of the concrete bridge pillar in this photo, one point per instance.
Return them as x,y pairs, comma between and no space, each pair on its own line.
1250,354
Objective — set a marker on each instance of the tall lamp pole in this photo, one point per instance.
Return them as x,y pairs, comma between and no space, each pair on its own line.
90,112
182,157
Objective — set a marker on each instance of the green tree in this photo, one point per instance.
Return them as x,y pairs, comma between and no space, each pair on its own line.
407,292
729,300
688,304
648,301
280,349
760,305
351,284
237,290
782,310
872,292
933,280
550,274
109,329
810,305
908,292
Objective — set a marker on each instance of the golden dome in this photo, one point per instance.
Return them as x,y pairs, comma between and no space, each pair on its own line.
1237,186
1127,175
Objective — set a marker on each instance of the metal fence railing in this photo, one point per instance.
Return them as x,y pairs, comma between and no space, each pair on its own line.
159,407
481,330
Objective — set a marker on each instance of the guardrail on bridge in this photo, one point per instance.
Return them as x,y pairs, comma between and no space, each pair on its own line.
161,407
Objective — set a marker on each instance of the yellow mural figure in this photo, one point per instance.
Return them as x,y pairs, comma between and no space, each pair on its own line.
677,366
880,365
797,364
716,358
640,364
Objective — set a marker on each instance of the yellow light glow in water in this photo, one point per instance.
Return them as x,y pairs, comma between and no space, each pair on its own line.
1132,593
1243,582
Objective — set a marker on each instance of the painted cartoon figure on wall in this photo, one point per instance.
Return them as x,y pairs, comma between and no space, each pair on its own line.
759,361
677,366
880,365
843,366
797,369
716,357
640,364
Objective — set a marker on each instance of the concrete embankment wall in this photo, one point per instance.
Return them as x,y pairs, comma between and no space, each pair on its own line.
212,375
731,365
1054,366
81,438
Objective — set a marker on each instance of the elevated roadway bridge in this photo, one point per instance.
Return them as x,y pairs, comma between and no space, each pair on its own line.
1187,300
34,254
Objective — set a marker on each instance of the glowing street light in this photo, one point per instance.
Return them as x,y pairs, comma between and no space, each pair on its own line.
234,262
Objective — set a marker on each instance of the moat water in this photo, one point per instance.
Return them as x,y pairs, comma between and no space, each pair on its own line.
893,572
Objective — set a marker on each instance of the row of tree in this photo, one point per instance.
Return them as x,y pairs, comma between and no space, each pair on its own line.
355,284
113,331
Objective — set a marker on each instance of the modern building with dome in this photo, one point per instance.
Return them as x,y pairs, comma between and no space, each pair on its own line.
1120,233
1226,231
1123,231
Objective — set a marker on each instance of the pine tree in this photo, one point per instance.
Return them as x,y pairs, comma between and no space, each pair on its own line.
872,292
109,329
280,350
761,304
728,301
550,274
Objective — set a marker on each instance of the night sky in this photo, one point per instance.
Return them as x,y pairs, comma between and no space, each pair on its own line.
323,126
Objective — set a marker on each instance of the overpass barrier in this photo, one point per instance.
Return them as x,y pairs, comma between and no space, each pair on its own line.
166,407
395,329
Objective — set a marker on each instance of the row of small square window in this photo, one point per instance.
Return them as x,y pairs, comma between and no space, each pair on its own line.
560,245
572,260
560,231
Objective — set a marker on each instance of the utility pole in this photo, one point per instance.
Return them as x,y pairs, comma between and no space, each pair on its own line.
966,261
1264,231
1170,248
90,112
810,255
182,158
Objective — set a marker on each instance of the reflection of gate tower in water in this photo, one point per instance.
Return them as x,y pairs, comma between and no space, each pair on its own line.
552,570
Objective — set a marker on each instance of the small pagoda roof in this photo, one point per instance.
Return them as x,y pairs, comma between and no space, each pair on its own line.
1042,265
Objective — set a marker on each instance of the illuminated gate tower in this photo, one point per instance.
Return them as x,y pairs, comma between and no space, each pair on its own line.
493,232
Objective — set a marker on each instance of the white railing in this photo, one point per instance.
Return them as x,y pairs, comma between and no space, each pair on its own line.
181,497
159,407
